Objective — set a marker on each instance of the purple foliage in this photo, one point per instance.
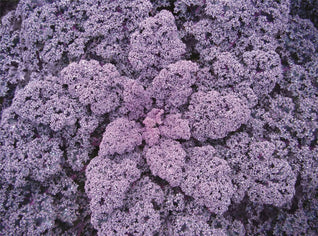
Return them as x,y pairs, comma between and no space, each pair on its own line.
45,102
144,117
174,202
145,190
13,128
9,47
227,70
153,118
34,211
222,27
245,92
78,144
166,161
106,185
47,34
94,85
120,136
172,86
35,218
301,39
207,179
151,132
272,179
213,115
136,99
39,160
299,222
141,219
265,70
189,9
140,216
187,225
172,127
112,22
153,31
115,17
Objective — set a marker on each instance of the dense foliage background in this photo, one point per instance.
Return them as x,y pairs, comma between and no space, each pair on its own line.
142,117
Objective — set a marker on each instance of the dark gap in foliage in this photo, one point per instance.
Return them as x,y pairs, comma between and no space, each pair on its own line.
298,195
194,56
143,145
62,225
65,59
155,205
7,100
238,211
92,56
276,90
197,143
268,213
99,131
161,182
169,7
194,13
65,87
7,5
220,141
305,9
294,56
191,53
269,17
